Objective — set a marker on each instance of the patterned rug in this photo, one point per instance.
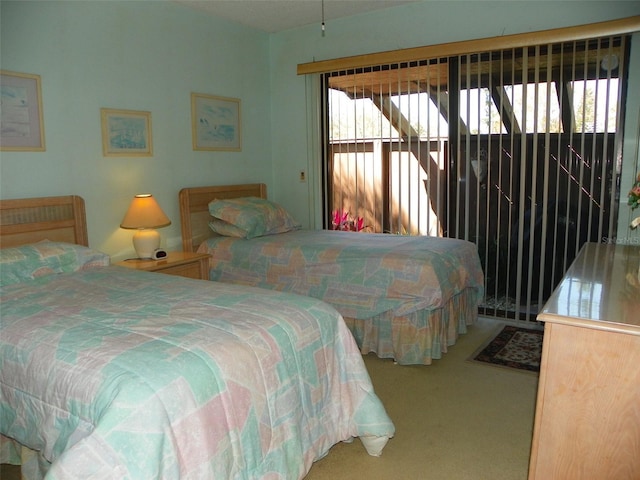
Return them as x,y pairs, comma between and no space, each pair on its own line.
512,347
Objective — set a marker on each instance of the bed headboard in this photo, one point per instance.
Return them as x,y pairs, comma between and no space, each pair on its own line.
29,220
194,209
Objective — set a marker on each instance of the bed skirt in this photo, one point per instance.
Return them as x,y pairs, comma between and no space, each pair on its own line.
12,453
419,337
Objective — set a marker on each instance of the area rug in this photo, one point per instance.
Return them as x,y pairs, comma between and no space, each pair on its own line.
513,347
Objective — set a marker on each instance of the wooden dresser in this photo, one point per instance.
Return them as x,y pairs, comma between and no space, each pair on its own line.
587,421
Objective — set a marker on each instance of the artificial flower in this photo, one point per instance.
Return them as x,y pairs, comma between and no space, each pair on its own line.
634,200
341,221
634,194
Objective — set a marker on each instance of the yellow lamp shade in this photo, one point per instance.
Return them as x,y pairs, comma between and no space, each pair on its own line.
144,214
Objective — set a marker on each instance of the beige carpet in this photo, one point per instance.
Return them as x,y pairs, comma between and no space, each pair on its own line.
455,420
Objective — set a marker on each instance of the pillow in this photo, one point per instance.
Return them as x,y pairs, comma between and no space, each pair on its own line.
226,229
27,262
251,217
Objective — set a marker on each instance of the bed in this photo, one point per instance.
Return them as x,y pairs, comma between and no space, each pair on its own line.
402,297
109,372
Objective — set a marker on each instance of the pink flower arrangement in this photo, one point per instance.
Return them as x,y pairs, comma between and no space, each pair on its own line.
634,200
634,194
341,221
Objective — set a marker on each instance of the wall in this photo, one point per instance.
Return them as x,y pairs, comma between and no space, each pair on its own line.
139,56
413,25
151,55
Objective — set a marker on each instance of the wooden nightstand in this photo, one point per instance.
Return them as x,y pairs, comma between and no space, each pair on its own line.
184,264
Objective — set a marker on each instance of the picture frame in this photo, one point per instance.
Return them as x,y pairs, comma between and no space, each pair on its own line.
21,119
126,133
215,123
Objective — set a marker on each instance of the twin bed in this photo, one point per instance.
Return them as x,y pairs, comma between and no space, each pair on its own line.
109,372
402,297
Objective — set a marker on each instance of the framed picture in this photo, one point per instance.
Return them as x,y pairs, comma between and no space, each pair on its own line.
126,133
215,123
21,124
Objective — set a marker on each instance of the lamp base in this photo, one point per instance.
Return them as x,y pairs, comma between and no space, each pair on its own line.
145,241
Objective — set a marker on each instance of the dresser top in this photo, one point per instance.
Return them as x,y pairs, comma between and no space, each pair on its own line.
600,290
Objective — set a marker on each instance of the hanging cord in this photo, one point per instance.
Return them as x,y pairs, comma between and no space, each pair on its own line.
322,18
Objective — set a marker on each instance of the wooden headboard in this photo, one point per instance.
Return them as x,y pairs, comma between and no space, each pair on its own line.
29,220
194,209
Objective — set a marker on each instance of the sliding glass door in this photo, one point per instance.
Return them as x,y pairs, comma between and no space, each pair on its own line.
516,150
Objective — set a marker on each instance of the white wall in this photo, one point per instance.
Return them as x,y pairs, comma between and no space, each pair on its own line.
406,26
140,56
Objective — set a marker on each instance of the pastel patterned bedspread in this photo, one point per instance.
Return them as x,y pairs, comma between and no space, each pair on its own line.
361,274
115,373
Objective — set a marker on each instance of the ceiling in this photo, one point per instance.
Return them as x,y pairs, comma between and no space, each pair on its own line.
276,15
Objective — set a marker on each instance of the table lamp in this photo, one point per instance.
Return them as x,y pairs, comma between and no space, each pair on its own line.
145,215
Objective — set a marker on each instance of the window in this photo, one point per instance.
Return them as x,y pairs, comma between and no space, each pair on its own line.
595,105
514,150
423,114
538,110
358,118
479,113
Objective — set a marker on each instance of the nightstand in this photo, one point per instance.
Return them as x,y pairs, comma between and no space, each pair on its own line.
184,264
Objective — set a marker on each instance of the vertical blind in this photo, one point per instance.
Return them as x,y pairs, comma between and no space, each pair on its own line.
516,150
